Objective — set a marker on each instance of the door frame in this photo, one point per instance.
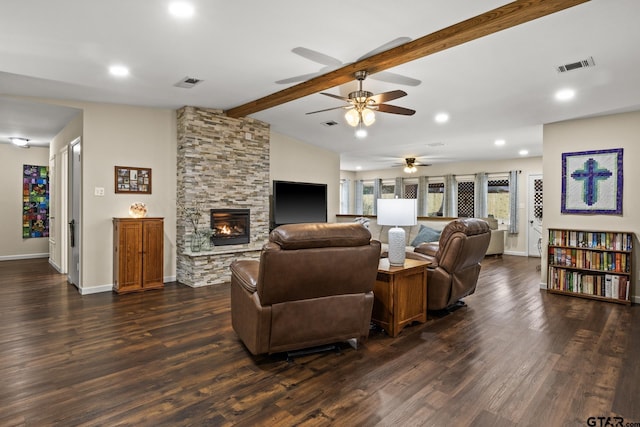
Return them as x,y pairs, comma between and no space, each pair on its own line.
63,162
74,201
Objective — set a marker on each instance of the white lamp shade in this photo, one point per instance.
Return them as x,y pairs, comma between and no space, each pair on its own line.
397,212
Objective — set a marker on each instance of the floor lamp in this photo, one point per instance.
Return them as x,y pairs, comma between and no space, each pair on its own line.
396,212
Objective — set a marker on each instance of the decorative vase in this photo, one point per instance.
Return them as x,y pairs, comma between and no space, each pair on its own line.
138,210
206,241
196,242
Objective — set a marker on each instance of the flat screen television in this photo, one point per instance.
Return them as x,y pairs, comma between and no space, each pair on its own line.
299,202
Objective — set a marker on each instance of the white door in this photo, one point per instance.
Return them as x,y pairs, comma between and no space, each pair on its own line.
75,179
535,216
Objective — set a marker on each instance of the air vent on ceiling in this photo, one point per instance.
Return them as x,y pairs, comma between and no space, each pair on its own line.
589,62
188,82
330,123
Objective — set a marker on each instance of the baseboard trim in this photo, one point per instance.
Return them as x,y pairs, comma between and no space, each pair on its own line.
24,256
54,265
95,289
109,288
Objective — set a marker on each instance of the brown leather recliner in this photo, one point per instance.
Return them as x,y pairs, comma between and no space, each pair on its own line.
455,261
312,286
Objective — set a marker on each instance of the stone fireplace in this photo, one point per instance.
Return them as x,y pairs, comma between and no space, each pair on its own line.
230,226
223,162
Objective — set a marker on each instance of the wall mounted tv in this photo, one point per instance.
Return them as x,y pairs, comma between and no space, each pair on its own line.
299,202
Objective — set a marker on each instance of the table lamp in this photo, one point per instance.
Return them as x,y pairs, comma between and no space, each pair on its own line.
397,212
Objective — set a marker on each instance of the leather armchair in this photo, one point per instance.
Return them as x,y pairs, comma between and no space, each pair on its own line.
455,261
312,286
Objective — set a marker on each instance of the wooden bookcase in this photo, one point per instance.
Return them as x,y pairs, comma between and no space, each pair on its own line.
591,264
138,254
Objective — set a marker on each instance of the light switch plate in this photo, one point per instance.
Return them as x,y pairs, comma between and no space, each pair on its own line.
99,191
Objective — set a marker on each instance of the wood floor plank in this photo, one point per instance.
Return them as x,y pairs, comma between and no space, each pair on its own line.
514,355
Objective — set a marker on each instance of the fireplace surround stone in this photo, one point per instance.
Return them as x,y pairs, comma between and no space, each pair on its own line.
222,162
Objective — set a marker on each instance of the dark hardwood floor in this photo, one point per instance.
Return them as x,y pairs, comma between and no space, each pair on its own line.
514,356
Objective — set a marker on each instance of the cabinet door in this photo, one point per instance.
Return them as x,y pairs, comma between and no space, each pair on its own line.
129,269
153,254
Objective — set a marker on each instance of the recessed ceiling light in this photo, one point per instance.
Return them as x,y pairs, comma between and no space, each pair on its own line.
181,9
358,168
441,117
499,142
565,94
119,70
523,152
361,133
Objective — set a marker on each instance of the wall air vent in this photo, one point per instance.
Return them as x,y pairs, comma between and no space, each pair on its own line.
330,123
188,82
589,62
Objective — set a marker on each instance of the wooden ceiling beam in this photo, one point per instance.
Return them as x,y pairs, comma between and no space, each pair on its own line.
507,16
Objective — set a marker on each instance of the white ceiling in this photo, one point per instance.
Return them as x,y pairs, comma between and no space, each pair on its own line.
500,86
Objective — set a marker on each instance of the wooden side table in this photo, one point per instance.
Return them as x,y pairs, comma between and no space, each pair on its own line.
400,295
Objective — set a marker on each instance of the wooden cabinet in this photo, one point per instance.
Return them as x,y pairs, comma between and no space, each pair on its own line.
400,295
138,254
591,264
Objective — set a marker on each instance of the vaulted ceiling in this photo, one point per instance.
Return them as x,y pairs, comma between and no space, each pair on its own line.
494,85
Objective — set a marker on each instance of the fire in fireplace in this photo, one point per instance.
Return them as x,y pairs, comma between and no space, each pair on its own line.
229,226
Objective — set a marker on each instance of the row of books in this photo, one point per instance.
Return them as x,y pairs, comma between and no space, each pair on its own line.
604,285
592,239
580,258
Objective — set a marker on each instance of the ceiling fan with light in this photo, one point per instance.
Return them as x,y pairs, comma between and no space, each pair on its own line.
410,165
330,63
362,104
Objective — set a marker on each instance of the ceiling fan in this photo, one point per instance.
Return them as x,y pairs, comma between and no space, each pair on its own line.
410,165
362,104
330,63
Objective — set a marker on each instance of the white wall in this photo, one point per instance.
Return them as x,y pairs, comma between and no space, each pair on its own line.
292,160
515,244
599,133
12,245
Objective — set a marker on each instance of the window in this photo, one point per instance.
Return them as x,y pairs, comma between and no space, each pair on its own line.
388,190
367,198
466,199
411,191
435,197
498,199
344,196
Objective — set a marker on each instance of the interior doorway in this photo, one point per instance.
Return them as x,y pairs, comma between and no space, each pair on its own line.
534,234
74,219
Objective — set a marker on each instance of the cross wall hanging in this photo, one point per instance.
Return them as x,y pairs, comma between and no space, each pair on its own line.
592,182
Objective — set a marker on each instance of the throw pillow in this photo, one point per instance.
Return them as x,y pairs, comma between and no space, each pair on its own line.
362,220
426,234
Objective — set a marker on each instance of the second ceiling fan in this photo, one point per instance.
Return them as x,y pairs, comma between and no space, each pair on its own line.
362,104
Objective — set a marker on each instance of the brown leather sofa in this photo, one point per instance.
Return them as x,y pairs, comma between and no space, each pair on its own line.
455,261
312,286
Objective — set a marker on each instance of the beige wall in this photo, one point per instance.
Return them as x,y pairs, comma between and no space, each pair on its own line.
12,245
292,160
613,131
124,136
515,244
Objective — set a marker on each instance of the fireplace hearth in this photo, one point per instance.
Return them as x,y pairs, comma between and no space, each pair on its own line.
230,226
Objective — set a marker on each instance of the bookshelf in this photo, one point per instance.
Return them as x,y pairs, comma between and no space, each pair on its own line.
590,264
